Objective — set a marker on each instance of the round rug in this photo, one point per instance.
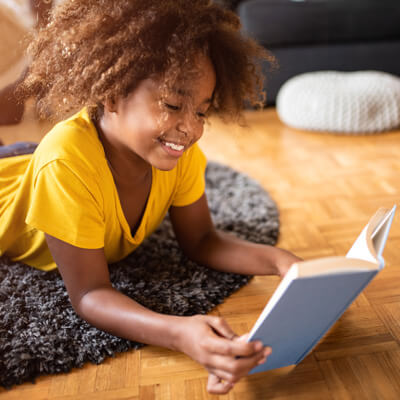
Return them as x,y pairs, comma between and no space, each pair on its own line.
361,102
41,334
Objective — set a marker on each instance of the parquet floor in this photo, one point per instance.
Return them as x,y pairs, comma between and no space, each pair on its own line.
326,187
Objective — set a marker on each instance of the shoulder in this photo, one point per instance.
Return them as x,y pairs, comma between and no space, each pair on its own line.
75,143
193,158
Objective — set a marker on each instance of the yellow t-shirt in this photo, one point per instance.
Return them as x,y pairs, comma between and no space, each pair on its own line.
66,189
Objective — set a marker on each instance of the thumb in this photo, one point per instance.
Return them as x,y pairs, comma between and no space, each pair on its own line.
243,338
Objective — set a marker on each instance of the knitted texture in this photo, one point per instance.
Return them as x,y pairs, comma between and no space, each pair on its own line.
360,102
40,333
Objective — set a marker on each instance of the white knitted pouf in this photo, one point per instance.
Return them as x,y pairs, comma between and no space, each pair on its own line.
342,102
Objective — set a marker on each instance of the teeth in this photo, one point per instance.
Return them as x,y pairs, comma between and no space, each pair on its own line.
174,146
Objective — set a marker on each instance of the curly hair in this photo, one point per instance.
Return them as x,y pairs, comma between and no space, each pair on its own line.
94,51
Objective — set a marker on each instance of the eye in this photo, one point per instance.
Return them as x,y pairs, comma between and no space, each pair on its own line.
203,114
172,107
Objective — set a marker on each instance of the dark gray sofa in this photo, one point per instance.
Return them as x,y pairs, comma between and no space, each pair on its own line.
313,35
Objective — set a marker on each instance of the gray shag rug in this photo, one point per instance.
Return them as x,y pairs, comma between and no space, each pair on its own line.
40,333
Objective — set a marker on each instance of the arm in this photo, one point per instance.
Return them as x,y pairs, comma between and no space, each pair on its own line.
204,244
86,277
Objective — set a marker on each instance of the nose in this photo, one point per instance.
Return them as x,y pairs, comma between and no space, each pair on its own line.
190,125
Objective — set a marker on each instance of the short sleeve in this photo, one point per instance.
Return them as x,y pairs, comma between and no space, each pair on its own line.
191,184
66,205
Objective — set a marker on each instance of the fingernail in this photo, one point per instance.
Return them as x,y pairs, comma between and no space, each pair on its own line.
262,361
267,351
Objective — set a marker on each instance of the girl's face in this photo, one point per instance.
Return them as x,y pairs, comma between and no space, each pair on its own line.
146,126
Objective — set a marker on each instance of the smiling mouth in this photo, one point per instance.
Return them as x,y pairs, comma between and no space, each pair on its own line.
172,149
174,146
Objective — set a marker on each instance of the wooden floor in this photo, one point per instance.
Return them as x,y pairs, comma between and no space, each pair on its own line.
326,187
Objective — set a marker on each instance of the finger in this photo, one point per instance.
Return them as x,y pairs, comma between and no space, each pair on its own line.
257,343
222,374
242,366
243,338
221,327
222,346
232,369
239,367
218,386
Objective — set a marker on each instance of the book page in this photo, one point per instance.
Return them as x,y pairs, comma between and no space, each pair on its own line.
334,265
381,232
361,249
370,243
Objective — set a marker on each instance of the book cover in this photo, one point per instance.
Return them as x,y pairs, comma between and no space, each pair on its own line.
314,294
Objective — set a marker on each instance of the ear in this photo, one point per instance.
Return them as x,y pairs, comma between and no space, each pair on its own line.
110,105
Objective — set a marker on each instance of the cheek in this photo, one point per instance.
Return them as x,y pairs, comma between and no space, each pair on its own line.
199,129
164,122
144,118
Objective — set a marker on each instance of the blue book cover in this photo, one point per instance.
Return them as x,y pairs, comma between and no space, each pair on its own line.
314,294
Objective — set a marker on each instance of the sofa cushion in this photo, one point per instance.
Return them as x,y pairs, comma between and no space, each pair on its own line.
288,22
344,102
231,4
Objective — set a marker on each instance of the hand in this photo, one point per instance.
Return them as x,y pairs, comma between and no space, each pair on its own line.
216,385
210,341
284,261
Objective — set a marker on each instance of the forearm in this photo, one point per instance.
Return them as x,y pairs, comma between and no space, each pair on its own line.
225,252
113,312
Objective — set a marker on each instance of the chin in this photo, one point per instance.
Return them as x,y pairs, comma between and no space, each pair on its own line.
165,165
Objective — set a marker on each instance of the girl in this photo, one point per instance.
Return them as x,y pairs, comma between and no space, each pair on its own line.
145,76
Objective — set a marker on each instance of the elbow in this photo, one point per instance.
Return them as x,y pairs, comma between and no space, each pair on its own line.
77,303
85,303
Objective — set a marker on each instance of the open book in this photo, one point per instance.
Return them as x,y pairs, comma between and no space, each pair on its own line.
314,294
